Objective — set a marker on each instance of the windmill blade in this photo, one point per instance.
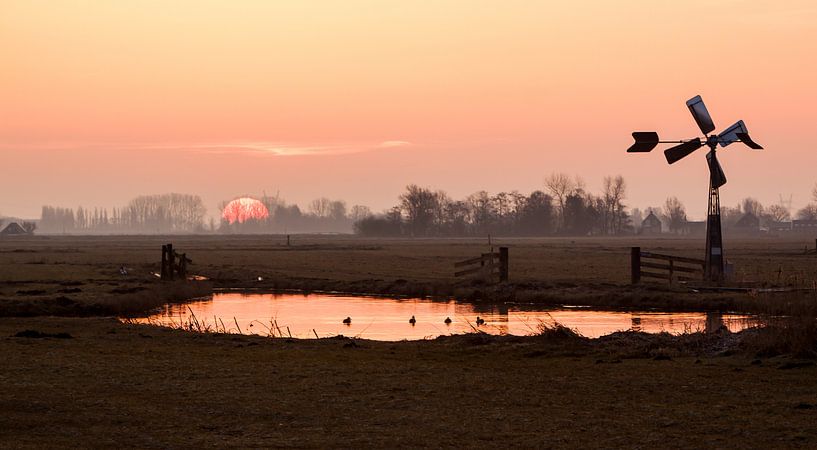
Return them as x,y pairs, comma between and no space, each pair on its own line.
744,137
730,134
716,176
699,112
674,154
645,141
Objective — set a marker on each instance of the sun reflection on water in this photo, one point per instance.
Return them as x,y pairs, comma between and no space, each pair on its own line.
387,319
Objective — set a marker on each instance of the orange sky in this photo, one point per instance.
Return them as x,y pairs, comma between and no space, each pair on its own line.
101,101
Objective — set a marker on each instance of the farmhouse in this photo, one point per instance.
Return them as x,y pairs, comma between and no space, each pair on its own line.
779,227
651,224
748,224
696,227
13,229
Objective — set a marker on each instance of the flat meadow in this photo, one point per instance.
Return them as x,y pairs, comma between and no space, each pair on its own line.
73,372
80,275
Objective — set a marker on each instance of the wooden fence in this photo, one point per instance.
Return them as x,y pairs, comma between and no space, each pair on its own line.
670,268
492,265
170,268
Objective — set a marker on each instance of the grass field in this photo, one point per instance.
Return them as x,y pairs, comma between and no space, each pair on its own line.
98,382
112,384
80,275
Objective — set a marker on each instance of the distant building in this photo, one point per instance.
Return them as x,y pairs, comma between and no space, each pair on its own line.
13,229
696,228
748,224
804,226
651,224
779,227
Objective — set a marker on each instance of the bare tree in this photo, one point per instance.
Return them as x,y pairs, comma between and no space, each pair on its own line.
808,213
778,213
419,205
638,216
560,187
613,198
321,207
337,210
360,212
751,206
675,214
29,227
482,211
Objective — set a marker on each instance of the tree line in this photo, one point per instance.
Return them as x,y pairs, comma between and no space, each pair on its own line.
565,207
165,213
322,215
185,213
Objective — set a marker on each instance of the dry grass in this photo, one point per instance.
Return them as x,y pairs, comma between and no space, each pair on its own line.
787,326
69,382
113,384
64,274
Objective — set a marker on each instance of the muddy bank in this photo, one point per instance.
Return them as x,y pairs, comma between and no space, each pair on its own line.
91,299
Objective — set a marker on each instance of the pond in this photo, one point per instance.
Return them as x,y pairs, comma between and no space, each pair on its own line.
387,319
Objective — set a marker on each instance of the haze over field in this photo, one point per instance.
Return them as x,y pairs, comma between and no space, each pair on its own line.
103,101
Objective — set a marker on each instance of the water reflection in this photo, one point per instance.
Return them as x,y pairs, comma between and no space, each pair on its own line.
387,319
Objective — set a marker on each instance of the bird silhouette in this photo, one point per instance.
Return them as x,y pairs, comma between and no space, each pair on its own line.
447,320
412,320
347,321
480,320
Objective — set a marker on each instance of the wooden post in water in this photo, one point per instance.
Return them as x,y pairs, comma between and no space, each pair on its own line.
503,264
635,265
287,240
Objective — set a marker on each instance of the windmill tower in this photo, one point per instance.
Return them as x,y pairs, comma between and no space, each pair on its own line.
645,141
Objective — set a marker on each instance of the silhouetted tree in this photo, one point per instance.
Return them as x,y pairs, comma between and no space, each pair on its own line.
778,213
29,227
578,215
809,212
613,214
536,218
675,214
751,206
419,205
560,186
359,212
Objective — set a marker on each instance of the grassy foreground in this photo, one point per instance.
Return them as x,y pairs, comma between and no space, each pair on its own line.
113,384
97,382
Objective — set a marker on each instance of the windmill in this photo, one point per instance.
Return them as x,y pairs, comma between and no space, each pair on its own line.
645,141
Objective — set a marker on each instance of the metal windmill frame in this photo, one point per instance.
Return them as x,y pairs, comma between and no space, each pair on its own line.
646,141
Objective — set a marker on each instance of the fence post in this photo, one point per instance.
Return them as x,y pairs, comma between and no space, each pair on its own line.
635,265
503,264
183,266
